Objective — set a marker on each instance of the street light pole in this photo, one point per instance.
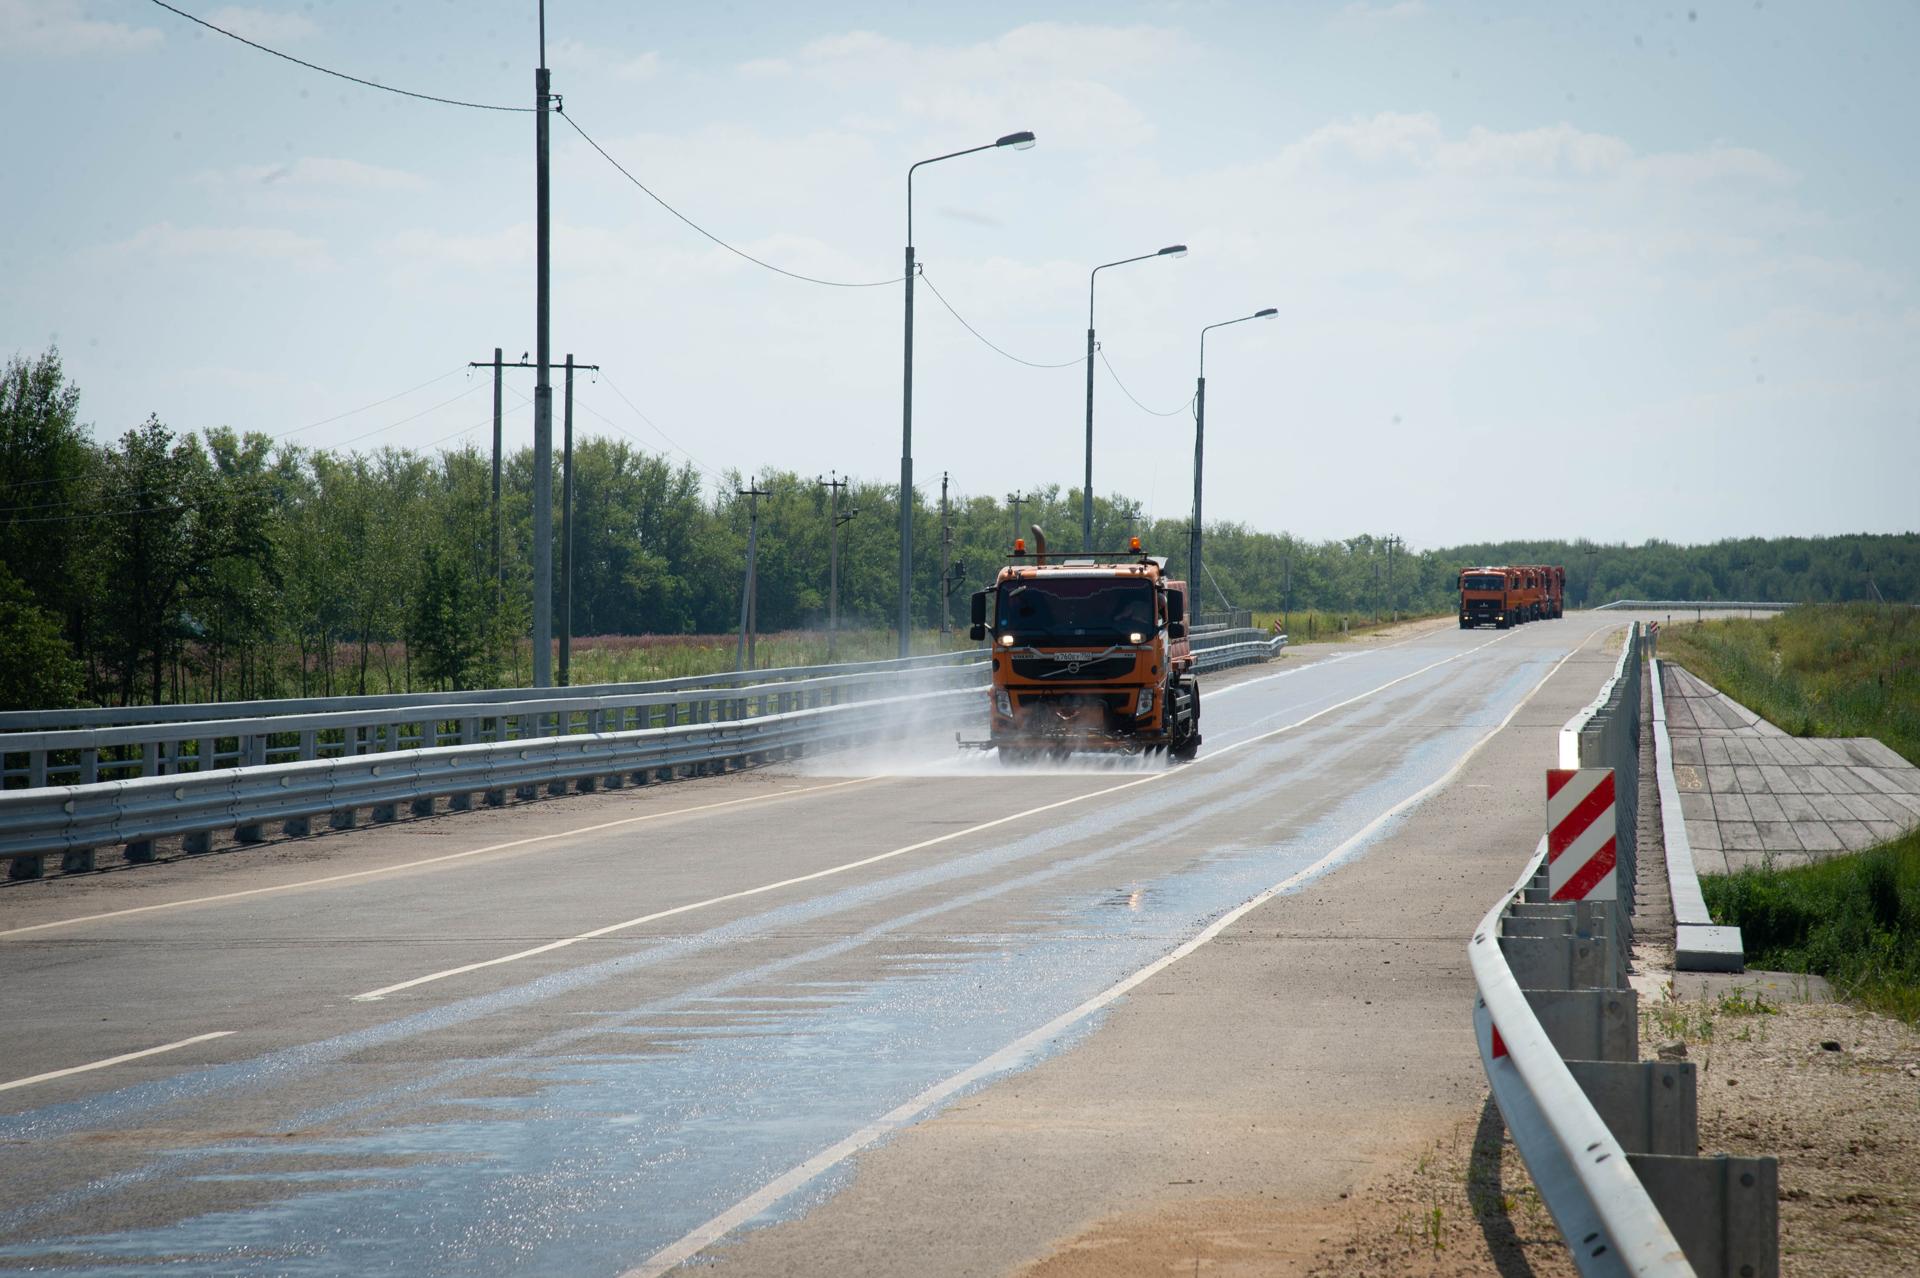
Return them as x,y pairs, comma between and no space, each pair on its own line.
1200,438
1086,491
1020,142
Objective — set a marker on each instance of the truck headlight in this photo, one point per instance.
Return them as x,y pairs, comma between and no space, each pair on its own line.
1002,702
1136,637
1145,705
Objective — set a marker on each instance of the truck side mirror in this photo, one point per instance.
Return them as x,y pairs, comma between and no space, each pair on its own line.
979,617
1176,630
1176,605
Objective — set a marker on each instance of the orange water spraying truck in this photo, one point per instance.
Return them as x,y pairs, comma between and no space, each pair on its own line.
1090,653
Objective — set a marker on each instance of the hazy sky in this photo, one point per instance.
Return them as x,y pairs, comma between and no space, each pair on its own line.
1646,270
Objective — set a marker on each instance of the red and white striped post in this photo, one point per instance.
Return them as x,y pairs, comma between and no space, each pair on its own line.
1582,845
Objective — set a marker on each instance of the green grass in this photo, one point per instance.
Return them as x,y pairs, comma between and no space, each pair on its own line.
1853,919
635,658
1313,625
1848,670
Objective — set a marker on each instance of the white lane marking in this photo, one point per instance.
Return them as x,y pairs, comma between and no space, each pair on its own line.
434,860
774,1190
112,1060
689,907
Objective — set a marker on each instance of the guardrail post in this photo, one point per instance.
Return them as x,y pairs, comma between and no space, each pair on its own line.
1651,1107
1724,1211
495,798
422,806
343,818
89,766
197,842
297,827
250,833
1594,1025
26,866
76,861
139,852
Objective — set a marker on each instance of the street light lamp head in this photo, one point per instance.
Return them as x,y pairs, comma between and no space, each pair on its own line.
1268,313
1173,250
1021,141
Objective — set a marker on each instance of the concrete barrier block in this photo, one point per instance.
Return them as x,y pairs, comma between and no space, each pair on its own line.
139,852
197,843
384,812
1723,1211
1701,948
76,861
421,807
249,834
460,802
26,866
1558,963
297,827
1589,1025
1651,1107
495,798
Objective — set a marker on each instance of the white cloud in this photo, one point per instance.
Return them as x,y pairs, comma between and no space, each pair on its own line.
62,28
165,242
264,25
1367,18
322,175
577,56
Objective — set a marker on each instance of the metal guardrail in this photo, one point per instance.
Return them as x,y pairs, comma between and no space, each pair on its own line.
534,745
104,716
1694,605
1699,944
72,821
1612,1141
85,755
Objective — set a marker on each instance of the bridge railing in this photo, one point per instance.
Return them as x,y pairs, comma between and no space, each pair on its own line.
1611,1141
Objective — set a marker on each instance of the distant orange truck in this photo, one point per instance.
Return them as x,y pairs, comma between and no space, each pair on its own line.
1503,595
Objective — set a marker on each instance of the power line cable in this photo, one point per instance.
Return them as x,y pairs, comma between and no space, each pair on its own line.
737,252
340,75
324,421
1080,359
655,426
1129,394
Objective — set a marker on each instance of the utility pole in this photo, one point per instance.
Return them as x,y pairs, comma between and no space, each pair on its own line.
744,657
543,386
542,482
566,535
1016,501
1286,607
946,558
499,568
834,520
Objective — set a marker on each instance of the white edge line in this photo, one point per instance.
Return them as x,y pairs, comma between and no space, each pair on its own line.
112,1060
773,1191
432,860
562,943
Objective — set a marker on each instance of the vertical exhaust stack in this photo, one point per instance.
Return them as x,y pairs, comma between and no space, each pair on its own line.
1039,544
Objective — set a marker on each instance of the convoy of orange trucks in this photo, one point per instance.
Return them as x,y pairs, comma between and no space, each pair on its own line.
1090,653
1506,596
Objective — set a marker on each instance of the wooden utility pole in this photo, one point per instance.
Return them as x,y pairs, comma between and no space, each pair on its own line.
744,656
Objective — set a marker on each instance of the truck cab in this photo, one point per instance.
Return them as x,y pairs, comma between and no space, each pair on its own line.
1090,653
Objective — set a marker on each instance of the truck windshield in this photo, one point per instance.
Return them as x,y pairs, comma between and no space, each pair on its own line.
1485,581
1075,609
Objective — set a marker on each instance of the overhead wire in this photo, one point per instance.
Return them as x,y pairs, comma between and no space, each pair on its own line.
341,75
737,252
1136,403
1079,359
673,443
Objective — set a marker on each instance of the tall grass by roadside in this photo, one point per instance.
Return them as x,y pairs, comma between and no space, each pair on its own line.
1315,625
1853,919
1849,670
635,658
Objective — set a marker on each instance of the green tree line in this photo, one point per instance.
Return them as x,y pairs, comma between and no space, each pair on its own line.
220,564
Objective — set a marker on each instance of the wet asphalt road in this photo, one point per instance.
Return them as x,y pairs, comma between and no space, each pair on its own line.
561,1038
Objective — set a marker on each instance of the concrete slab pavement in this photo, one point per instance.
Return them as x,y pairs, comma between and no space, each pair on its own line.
1753,795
